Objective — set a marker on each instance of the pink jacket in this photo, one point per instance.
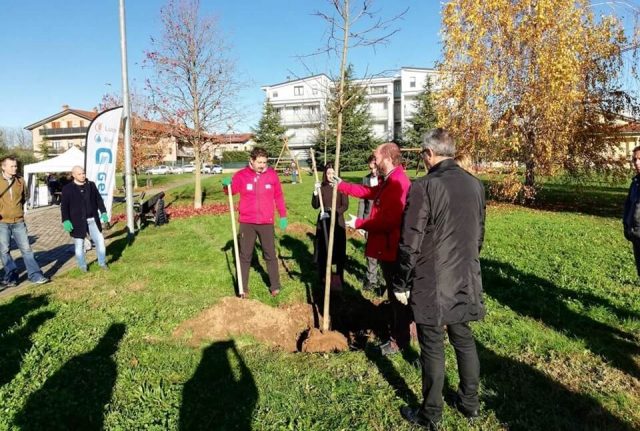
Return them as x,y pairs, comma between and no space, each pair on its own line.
259,193
385,220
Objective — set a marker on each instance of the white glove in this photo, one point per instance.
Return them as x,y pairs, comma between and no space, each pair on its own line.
362,232
351,222
336,180
317,186
324,215
402,297
316,189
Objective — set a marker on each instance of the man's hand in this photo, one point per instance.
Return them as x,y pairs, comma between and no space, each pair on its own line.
352,221
104,217
283,223
336,180
226,181
402,297
66,225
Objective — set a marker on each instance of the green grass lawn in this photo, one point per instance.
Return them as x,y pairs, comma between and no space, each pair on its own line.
559,349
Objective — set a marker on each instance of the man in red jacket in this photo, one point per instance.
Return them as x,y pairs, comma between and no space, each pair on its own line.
383,231
260,193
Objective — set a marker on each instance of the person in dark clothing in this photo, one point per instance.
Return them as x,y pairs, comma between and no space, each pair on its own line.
321,245
439,274
82,211
631,217
364,210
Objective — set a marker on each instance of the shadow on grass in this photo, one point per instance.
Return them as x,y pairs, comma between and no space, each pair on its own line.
214,398
540,299
597,200
117,246
526,399
14,345
76,395
351,313
392,376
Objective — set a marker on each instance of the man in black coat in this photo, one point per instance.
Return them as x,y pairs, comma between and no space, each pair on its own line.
80,204
631,217
439,274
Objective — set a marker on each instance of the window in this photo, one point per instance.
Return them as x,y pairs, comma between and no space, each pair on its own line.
378,89
412,82
56,145
274,94
314,91
313,110
81,123
69,124
279,111
55,125
298,90
296,110
396,86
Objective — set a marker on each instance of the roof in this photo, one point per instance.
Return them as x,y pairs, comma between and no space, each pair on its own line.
232,138
87,115
306,78
633,128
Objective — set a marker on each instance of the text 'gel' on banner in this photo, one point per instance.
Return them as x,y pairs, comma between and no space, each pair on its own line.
101,153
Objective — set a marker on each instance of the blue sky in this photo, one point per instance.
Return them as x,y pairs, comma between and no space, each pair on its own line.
56,53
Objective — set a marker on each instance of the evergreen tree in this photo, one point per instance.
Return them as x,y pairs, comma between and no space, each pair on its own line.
270,132
357,128
425,118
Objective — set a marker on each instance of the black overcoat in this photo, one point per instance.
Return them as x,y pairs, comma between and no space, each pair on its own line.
73,208
438,256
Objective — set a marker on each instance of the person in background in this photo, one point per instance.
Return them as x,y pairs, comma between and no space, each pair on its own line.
260,193
82,210
321,245
12,200
631,216
383,231
364,210
439,273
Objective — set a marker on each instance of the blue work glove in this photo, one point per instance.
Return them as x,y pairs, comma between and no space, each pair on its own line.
226,181
104,217
67,225
283,223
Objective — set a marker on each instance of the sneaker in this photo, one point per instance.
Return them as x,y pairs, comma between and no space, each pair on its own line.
11,283
41,280
275,292
388,348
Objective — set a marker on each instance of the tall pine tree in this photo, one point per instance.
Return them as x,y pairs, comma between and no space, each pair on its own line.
270,132
425,118
357,128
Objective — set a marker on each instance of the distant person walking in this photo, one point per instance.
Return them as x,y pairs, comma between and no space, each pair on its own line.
12,200
631,217
260,193
82,211
439,274
364,210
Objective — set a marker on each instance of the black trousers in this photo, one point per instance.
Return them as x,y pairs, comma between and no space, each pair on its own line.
636,254
431,340
401,314
248,234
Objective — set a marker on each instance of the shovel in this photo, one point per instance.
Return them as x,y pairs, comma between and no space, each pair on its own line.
235,243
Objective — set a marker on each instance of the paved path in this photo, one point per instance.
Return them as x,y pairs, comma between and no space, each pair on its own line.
52,246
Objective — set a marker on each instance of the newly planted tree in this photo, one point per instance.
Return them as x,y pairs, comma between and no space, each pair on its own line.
195,84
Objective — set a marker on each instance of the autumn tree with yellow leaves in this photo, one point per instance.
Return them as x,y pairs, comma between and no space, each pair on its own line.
533,81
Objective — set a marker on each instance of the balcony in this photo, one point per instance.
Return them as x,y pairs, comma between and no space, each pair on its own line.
64,131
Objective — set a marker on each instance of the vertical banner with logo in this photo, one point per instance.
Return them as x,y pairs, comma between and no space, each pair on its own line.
101,151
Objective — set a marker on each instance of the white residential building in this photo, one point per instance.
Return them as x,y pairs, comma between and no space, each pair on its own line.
302,103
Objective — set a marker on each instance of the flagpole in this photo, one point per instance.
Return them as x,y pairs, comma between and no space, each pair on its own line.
127,123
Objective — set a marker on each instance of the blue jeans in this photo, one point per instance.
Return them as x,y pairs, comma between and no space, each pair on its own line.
19,233
98,240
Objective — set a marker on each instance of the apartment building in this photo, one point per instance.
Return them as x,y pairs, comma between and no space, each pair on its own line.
61,131
391,100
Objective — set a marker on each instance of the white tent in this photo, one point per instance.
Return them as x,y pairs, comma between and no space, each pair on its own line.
62,163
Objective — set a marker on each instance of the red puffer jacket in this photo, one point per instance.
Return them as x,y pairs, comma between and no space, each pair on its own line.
259,195
385,219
